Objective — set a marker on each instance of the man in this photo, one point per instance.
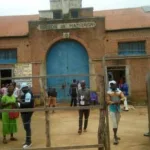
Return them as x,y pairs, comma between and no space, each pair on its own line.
26,101
124,88
73,93
84,100
114,98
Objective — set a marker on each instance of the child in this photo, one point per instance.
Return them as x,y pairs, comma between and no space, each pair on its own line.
52,94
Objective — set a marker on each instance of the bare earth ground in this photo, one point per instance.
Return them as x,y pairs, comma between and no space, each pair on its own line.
64,126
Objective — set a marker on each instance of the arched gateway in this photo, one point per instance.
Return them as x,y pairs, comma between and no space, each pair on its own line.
65,58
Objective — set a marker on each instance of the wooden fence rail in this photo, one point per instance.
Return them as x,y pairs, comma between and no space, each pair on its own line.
68,147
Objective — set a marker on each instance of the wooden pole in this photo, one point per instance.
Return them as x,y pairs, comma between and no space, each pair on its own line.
107,131
101,115
148,97
47,116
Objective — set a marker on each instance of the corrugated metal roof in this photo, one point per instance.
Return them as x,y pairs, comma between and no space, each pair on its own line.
118,19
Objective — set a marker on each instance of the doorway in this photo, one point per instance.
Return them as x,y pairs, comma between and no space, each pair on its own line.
5,73
116,73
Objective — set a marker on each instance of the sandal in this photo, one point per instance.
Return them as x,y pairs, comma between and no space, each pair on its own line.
80,131
13,139
5,141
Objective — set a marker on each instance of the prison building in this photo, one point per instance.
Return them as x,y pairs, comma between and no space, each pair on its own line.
69,39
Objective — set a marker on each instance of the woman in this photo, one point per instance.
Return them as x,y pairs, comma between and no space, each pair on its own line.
9,125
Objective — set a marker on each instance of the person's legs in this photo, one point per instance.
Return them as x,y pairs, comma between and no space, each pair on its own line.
75,101
86,116
118,120
12,137
26,118
115,126
4,139
80,121
53,103
71,101
50,101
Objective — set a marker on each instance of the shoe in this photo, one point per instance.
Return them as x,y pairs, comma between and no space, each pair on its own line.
118,138
147,134
115,141
85,130
26,146
23,143
80,131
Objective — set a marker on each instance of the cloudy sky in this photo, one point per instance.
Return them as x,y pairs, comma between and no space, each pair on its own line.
21,7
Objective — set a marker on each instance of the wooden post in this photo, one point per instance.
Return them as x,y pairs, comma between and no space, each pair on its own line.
47,124
107,132
101,115
148,97
47,116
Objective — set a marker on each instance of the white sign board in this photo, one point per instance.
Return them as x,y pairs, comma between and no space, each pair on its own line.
23,70
60,26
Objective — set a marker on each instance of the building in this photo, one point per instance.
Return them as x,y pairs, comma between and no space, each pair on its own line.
69,39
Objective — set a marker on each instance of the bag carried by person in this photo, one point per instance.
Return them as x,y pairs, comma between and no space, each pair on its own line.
13,115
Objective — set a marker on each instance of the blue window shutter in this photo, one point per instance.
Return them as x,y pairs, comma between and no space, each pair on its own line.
8,56
131,48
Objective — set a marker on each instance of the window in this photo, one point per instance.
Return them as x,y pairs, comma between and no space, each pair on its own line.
132,48
8,56
57,14
74,14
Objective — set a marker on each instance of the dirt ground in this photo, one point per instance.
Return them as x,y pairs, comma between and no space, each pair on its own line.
64,126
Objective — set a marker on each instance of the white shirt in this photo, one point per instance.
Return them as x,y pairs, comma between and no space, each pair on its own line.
16,92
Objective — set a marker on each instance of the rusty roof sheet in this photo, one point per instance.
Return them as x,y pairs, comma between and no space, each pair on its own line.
130,18
118,19
15,25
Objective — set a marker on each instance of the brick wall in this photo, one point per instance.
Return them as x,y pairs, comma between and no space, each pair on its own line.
22,45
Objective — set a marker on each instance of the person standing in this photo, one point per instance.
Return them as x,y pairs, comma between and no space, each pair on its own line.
124,88
73,93
26,101
4,89
16,90
9,125
84,100
113,99
52,97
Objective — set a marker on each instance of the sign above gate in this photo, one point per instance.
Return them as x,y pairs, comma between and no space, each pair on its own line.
61,26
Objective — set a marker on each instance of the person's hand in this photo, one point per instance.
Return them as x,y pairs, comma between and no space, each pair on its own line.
116,103
12,103
18,101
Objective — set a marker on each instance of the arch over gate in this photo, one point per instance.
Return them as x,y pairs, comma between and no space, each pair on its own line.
66,57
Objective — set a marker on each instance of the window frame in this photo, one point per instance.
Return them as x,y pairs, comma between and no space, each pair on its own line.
128,48
55,12
8,56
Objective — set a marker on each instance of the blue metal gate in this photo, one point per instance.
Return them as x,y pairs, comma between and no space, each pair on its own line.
66,57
